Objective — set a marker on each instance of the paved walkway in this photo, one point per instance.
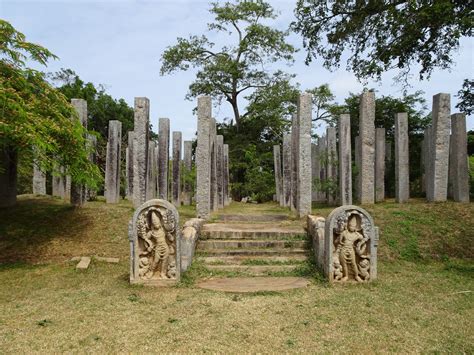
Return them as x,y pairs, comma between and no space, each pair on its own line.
253,284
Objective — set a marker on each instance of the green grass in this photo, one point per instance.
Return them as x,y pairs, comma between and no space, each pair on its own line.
422,302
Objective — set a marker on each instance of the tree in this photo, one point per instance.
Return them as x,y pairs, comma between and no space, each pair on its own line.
34,114
466,97
383,34
232,70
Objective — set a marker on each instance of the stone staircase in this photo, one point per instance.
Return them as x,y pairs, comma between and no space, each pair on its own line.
254,245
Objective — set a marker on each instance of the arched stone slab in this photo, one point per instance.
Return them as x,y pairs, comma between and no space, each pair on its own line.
155,239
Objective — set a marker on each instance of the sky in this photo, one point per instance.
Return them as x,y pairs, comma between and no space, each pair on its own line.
118,43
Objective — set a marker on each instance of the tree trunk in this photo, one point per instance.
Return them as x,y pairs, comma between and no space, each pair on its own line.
8,175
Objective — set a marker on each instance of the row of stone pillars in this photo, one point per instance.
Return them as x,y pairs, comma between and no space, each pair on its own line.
330,158
212,163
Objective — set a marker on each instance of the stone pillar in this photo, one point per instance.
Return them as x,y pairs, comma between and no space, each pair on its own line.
8,175
286,169
331,166
91,194
345,160
129,164
77,191
402,176
451,168
220,170
294,162
428,159
367,148
152,171
39,177
140,149
459,161
277,170
304,154
176,182
322,150
164,157
439,148
379,164
59,183
188,166
314,171
213,138
112,163
203,161
226,175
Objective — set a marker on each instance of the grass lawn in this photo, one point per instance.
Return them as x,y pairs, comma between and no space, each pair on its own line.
422,302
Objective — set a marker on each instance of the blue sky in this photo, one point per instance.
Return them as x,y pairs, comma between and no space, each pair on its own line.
118,43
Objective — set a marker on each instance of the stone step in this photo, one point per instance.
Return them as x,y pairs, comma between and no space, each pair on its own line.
255,270
282,252
243,259
250,231
252,218
249,243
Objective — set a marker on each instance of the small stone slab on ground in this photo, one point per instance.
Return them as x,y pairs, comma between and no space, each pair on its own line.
107,260
253,284
84,263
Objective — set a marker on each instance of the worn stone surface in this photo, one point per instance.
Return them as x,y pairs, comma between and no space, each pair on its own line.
304,154
39,178
332,163
322,152
315,227
350,245
451,168
152,171
402,176
112,164
213,138
107,259
203,161
140,149
8,176
83,263
459,158
129,165
163,159
226,175
314,171
294,161
155,244
345,162
78,191
58,183
380,164
190,235
253,284
278,174
437,187
187,166
286,179
220,170
367,148
91,194
357,165
176,180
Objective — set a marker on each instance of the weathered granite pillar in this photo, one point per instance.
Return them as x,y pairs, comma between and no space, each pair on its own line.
345,160
176,182
428,159
112,163
304,154
140,149
226,175
39,177
8,175
277,170
439,148
203,161
163,159
220,170
152,171
380,164
294,162
314,171
59,183
459,161
322,158
402,176
331,164
91,194
213,138
188,166
129,164
357,164
451,168
367,147
78,191
286,169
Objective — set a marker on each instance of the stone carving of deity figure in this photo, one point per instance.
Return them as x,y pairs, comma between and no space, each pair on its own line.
350,249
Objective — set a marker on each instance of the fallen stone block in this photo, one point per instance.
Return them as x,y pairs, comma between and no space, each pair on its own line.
84,263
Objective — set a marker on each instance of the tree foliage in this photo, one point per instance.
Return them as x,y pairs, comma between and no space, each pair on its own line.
238,67
35,114
466,97
383,34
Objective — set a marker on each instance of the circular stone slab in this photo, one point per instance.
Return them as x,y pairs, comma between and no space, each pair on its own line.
253,284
